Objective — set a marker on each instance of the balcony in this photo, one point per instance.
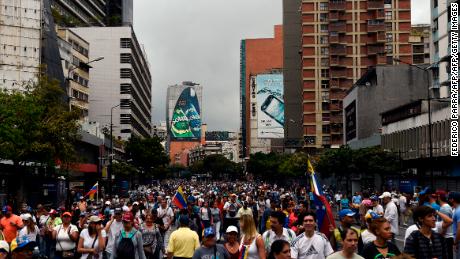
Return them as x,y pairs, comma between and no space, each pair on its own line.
336,130
338,50
338,73
334,83
337,95
381,36
375,27
380,15
374,50
335,107
335,16
338,27
336,119
375,4
337,62
334,38
337,6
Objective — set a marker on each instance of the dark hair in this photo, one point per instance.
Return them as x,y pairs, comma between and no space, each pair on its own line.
277,248
376,224
343,234
309,213
421,212
279,215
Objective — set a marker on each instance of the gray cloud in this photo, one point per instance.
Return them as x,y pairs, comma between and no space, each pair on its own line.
199,40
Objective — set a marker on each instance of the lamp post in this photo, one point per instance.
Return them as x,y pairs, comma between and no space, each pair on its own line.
427,73
109,174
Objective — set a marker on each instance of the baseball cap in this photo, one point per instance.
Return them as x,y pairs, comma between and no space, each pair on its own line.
367,203
384,195
231,229
6,209
128,216
4,246
26,216
66,214
107,203
53,211
346,212
118,211
209,232
371,215
94,219
374,198
426,190
135,203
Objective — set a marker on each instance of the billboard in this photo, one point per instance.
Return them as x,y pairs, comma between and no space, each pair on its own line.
186,117
270,106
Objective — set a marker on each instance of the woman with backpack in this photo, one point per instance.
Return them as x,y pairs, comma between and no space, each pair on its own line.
128,243
92,239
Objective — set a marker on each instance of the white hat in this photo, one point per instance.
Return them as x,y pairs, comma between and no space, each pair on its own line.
26,216
135,203
231,229
107,203
385,194
4,245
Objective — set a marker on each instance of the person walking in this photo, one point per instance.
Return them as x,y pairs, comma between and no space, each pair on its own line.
346,217
128,242
232,245
66,236
151,236
381,248
252,244
231,209
280,249
277,231
166,214
112,228
210,248
391,213
10,224
349,246
424,243
216,219
310,244
183,241
92,239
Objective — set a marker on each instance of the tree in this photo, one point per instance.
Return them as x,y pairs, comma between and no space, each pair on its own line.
265,165
293,165
36,126
146,153
218,165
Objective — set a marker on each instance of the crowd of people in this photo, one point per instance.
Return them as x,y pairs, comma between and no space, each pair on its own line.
236,220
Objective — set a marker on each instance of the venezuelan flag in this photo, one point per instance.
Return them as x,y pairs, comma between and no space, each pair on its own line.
323,208
93,191
179,199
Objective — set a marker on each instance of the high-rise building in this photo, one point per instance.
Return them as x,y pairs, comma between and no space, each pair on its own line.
120,83
420,40
184,113
256,56
440,46
78,13
20,42
341,39
74,52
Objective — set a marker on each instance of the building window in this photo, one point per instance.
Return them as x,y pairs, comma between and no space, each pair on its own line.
436,47
388,26
326,129
125,131
325,84
324,62
125,88
389,60
125,58
323,6
389,37
388,15
125,73
325,73
125,103
324,27
389,49
125,43
435,3
125,118
323,17
324,51
324,39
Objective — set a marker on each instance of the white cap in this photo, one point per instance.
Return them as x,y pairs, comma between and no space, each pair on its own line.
26,216
231,229
135,203
385,194
107,203
4,245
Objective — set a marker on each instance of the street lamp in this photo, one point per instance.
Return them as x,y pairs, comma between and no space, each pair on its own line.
109,174
427,72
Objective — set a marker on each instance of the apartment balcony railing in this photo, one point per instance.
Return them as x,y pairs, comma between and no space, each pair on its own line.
375,4
340,50
337,6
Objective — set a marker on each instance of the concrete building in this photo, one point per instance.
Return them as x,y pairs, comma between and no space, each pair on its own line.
292,71
74,52
420,40
256,56
229,142
20,42
340,41
380,89
120,82
160,130
440,47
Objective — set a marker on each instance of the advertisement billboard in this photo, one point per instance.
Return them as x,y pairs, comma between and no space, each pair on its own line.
186,117
270,106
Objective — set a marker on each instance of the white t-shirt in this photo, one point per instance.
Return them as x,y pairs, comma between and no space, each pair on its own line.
338,197
32,236
391,214
409,231
316,247
378,209
114,229
367,237
204,215
165,214
88,242
227,207
402,203
339,255
270,236
62,235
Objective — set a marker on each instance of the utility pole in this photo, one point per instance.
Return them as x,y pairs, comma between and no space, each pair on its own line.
109,173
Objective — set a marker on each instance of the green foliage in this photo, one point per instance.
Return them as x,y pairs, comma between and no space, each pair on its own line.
265,165
294,165
123,168
146,153
337,160
36,126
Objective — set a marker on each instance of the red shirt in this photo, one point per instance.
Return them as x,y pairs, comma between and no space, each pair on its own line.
10,231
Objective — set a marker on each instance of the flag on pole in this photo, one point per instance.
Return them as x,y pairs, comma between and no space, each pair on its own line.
93,191
323,208
179,199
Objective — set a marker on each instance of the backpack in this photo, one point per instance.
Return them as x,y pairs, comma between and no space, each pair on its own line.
232,210
125,248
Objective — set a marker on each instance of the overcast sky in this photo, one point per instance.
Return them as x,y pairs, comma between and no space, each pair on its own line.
199,41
